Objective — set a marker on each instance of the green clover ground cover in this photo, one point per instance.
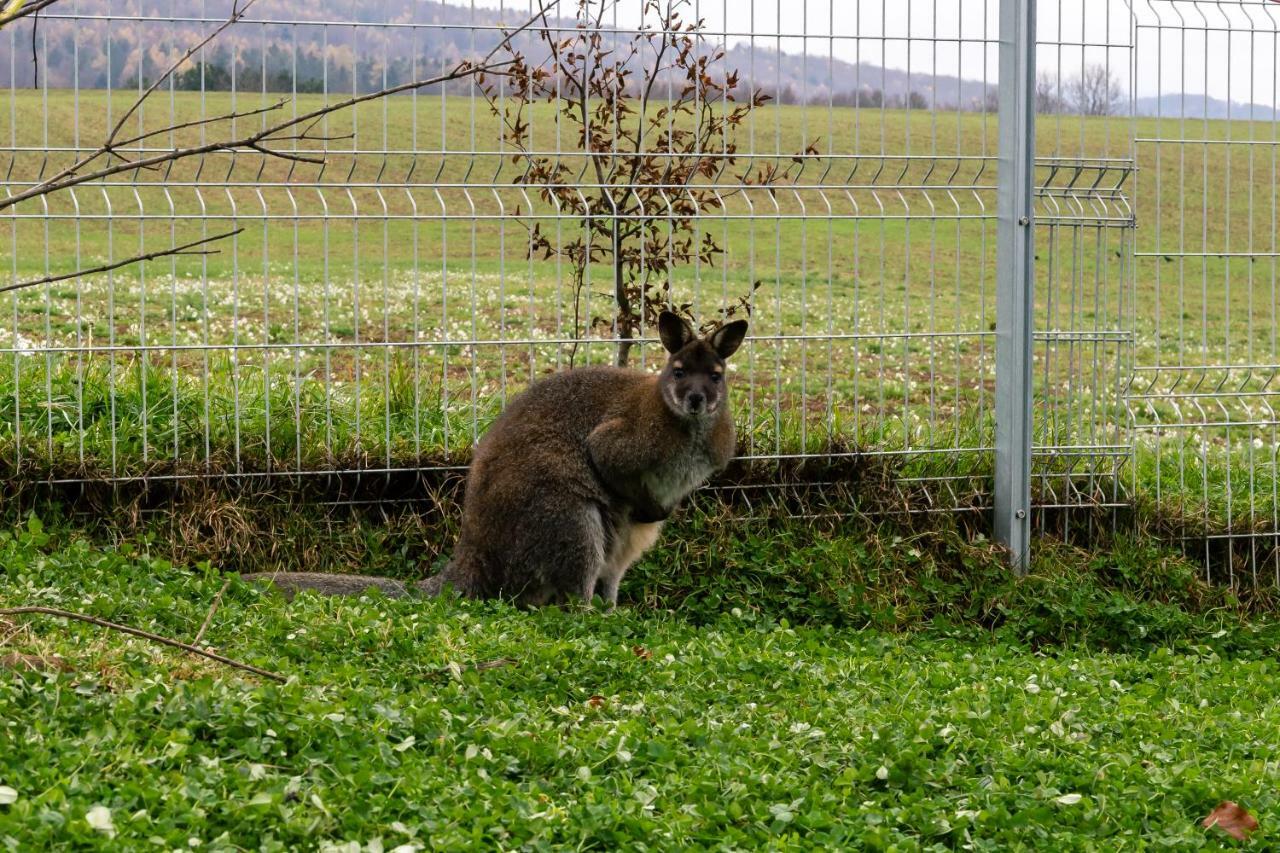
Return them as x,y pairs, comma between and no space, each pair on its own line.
641,729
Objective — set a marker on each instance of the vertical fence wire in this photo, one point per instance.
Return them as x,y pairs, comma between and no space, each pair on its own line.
379,307
1205,390
387,295
1084,219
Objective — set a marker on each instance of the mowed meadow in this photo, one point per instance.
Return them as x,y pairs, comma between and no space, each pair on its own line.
377,309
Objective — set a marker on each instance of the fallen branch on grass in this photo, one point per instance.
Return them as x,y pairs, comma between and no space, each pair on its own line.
146,635
455,669
213,608
496,663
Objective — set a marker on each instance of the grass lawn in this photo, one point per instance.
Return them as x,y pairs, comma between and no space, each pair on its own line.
1085,707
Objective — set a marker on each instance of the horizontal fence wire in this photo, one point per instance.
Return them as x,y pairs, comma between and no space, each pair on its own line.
399,269
1204,396
380,307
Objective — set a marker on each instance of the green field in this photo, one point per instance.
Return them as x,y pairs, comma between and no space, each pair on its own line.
788,690
364,258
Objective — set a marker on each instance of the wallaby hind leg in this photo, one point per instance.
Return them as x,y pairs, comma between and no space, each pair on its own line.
629,545
595,544
568,561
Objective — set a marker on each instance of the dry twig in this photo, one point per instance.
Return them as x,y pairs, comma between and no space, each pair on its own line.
146,635
213,608
16,10
260,141
184,249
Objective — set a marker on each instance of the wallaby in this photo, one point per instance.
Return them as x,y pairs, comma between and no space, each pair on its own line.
571,484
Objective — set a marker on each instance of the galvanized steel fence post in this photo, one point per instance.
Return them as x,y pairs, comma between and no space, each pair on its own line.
1014,280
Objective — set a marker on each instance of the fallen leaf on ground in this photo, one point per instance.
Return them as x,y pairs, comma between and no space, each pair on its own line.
1231,819
34,663
641,652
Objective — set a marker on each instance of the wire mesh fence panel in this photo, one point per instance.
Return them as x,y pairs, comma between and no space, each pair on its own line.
1204,392
1084,310
399,268
379,247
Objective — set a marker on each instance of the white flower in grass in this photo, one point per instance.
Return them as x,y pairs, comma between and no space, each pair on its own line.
99,819
24,346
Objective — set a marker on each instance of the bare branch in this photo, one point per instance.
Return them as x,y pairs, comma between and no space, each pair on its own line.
288,155
184,249
35,55
171,128
237,12
310,137
16,10
109,144
259,140
251,141
146,635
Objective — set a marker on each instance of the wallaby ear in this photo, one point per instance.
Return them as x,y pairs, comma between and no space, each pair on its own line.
726,339
674,331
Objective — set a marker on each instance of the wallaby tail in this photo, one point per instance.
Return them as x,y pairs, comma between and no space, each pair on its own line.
291,583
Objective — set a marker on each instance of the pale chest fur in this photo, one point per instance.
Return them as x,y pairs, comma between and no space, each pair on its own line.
673,480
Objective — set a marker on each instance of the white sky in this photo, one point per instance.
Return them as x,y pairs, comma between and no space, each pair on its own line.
1227,48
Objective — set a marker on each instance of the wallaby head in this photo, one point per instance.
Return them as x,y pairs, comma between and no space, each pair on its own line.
693,382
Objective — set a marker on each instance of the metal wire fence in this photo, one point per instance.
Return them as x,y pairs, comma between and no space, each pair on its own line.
1203,395
396,276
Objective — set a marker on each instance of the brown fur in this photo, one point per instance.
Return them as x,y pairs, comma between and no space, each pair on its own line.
570,485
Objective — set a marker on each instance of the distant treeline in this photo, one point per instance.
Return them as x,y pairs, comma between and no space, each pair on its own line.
282,71
278,70
1094,92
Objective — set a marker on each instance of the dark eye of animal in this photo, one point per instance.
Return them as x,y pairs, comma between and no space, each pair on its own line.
715,377
678,373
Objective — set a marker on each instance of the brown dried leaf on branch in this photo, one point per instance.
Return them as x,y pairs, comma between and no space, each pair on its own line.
1231,819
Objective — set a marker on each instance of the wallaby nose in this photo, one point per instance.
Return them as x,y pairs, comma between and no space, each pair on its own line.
695,402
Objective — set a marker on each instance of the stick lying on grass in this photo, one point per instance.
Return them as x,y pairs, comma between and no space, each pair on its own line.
213,608
146,635
481,666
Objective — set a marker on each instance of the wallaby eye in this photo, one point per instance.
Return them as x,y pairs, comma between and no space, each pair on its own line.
715,377
678,373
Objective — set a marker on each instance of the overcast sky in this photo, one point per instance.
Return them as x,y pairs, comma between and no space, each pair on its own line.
1227,48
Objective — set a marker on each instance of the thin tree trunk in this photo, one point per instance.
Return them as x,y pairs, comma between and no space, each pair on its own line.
626,319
